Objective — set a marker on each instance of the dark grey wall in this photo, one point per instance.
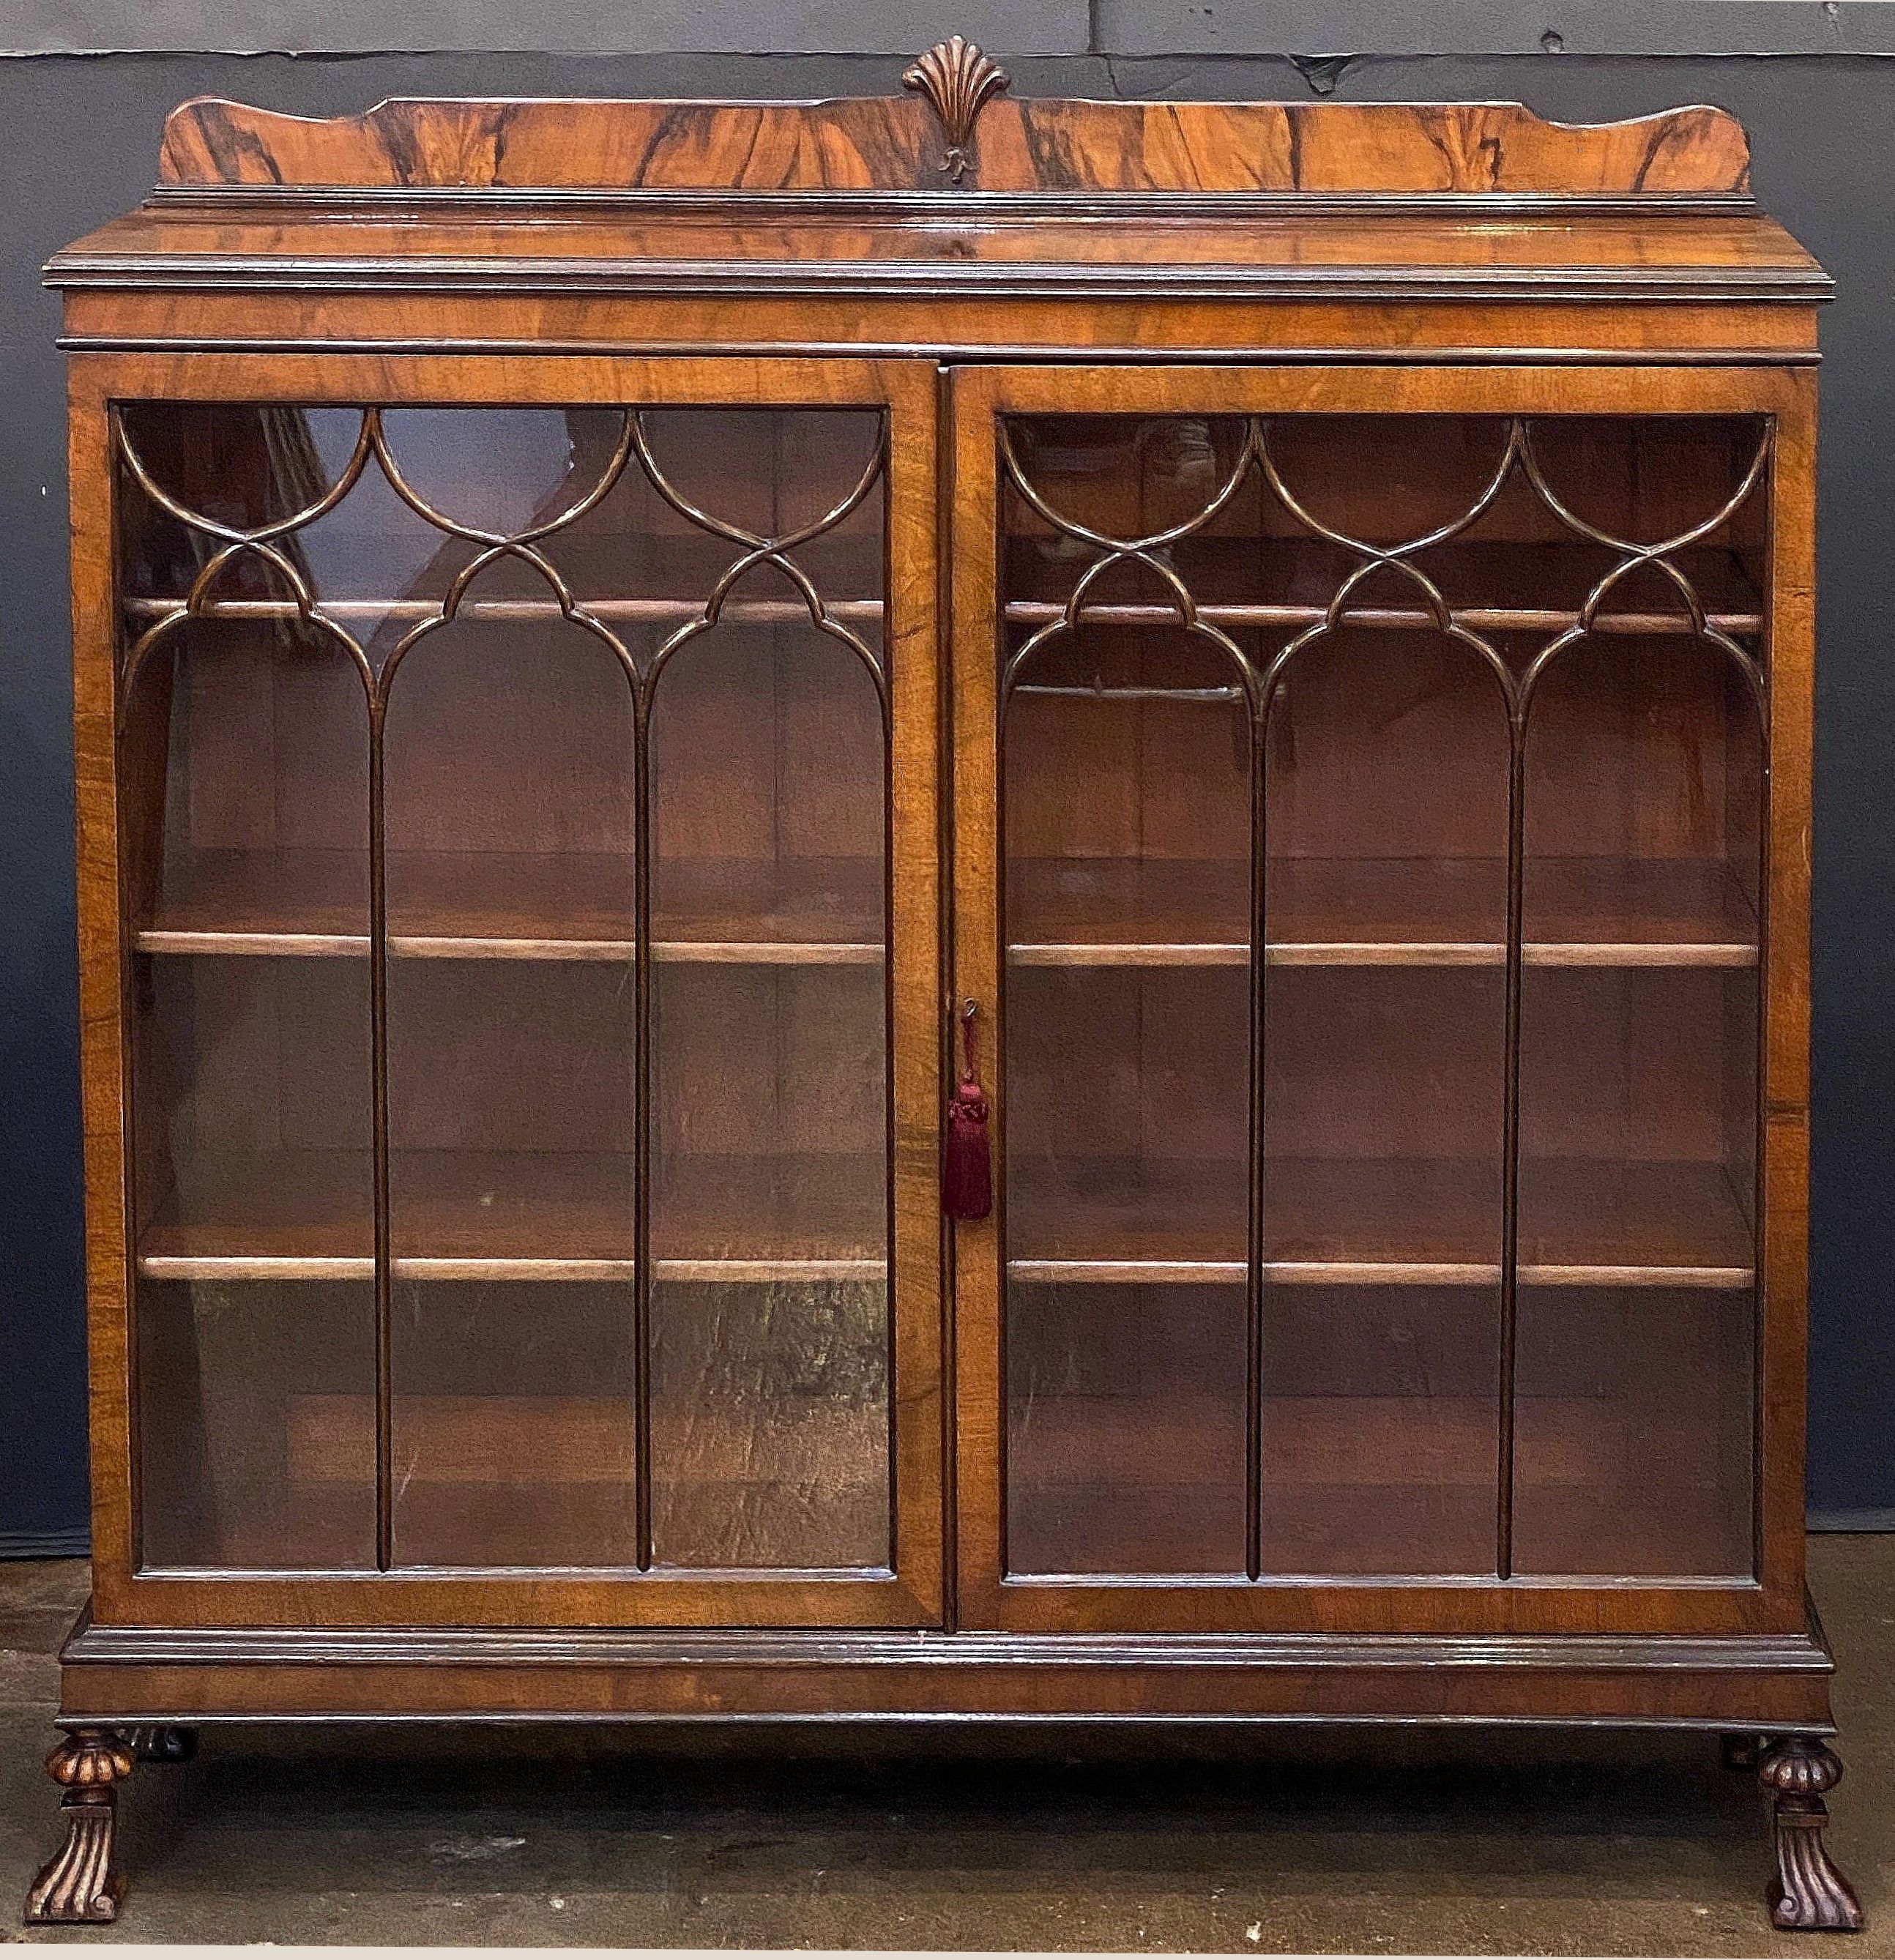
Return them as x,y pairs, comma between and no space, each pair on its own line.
83,134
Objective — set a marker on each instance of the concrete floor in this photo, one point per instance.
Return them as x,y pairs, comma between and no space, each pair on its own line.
1269,1841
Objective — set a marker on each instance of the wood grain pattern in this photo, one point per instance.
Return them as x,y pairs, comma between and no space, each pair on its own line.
1777,1685
930,265
893,143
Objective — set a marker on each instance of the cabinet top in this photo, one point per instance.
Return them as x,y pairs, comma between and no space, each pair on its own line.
954,187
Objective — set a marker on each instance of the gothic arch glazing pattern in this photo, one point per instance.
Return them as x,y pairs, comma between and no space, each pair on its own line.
790,565
1251,563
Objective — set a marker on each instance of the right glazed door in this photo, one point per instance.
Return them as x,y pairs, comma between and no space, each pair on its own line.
1372,950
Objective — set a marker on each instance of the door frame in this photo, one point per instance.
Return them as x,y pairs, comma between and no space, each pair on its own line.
911,1593
1773,1600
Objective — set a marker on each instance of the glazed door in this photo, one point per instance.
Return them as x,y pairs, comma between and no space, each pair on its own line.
1370,957
526,813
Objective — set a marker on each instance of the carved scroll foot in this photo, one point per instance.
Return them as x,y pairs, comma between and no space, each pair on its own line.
80,1886
1808,1894
1743,1752
160,1743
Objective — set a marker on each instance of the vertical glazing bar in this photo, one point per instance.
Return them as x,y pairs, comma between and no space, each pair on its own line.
1510,1133
1260,702
642,1119
1253,1301
378,1045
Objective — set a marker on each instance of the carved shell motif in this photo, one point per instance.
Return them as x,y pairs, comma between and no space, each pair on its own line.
959,80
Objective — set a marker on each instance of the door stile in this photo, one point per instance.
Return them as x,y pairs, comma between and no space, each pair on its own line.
920,1403
975,636
104,1056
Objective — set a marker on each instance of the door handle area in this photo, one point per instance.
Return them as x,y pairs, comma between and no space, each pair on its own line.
966,1162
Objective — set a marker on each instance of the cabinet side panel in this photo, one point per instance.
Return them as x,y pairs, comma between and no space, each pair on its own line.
1783,1404
102,1058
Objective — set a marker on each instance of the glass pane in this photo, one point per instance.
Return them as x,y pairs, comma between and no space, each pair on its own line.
769,1195
1125,1428
1636,1374
1634,1410
768,473
508,768
1384,1025
256,1424
514,1441
1126,764
243,768
1381,1429
253,1215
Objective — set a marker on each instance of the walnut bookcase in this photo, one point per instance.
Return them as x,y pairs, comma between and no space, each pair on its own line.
602,627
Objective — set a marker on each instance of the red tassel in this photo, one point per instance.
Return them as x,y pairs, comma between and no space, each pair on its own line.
966,1165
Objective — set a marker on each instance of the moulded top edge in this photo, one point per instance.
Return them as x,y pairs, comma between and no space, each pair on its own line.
1416,281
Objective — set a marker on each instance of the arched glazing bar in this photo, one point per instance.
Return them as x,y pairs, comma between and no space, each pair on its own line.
1261,684
263,543
268,543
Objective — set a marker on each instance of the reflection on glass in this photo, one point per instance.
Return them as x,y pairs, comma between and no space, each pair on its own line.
769,1418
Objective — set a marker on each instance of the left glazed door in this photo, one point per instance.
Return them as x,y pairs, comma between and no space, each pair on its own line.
529,1070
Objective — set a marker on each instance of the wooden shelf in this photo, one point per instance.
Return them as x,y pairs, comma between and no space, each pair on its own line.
518,905
1490,586
1389,912
1377,1222
522,1215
